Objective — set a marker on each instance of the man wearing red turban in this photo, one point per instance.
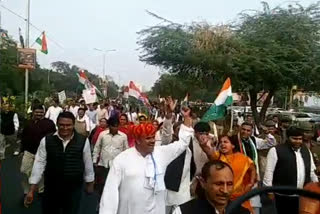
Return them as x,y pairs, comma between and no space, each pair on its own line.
135,183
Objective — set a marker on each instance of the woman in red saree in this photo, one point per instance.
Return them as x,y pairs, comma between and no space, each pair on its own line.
243,167
124,127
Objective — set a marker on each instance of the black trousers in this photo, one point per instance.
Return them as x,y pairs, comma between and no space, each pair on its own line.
101,174
63,201
286,205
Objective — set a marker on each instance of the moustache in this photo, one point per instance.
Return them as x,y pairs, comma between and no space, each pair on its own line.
225,195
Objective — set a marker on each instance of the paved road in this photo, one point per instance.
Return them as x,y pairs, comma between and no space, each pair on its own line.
12,192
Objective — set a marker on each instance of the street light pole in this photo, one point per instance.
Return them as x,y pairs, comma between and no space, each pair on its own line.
104,66
105,84
27,46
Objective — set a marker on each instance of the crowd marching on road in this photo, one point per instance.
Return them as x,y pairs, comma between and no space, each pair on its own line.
166,161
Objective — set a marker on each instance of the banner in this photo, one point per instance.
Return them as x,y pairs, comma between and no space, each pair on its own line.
62,96
89,95
26,58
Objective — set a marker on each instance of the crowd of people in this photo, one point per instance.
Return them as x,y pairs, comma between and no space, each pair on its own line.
164,162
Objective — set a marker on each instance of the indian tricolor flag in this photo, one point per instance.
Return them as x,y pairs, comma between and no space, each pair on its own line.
219,108
43,42
83,79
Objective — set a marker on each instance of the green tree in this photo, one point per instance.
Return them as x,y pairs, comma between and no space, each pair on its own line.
177,86
11,77
113,89
265,51
61,67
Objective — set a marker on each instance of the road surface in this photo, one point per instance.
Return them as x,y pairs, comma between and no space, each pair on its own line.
12,192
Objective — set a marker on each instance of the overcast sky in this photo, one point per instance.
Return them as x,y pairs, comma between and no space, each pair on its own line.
79,26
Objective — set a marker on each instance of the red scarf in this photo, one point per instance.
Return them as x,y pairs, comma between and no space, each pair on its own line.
96,135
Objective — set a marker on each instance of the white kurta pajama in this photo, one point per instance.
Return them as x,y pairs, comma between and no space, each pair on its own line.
135,184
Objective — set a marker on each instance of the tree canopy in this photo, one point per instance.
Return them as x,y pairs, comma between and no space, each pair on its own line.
262,51
178,87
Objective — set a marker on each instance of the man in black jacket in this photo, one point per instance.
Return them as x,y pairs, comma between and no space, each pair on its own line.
214,196
289,164
65,160
33,131
9,128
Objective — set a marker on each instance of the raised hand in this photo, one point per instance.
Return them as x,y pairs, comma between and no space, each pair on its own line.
171,104
205,143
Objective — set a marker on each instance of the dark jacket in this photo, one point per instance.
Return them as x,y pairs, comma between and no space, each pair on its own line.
33,132
64,167
174,170
285,173
249,151
7,124
202,206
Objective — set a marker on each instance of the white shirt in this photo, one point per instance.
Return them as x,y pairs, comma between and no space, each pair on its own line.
272,159
158,138
40,161
53,113
108,146
129,188
102,113
267,143
200,157
132,117
74,110
160,119
16,122
87,121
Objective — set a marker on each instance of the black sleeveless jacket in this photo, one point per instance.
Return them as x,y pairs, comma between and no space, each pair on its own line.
64,167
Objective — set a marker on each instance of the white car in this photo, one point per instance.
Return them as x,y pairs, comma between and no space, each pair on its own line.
305,117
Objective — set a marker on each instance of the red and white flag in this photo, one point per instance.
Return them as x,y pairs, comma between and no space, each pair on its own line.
83,79
135,92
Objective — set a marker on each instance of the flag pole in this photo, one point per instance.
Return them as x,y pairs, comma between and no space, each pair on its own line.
27,46
231,122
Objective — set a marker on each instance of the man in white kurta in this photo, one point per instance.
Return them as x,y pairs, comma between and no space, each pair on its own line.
135,184
53,112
